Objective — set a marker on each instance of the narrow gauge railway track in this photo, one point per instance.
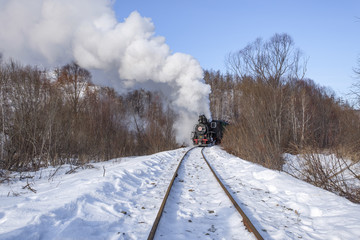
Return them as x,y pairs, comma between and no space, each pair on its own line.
197,202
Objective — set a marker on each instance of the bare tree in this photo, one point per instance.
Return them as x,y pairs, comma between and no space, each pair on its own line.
357,69
271,60
355,90
74,80
264,68
3,102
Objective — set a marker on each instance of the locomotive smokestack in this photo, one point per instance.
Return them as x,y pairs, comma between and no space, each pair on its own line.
87,31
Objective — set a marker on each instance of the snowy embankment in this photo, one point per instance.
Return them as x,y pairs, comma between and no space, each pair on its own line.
285,207
86,204
119,199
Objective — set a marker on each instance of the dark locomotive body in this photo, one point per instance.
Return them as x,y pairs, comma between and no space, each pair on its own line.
207,133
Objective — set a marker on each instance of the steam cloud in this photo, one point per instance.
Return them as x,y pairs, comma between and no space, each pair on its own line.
52,32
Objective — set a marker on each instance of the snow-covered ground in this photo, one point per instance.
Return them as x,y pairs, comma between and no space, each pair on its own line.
198,208
119,199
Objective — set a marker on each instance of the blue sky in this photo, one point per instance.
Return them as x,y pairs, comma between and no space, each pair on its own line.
328,32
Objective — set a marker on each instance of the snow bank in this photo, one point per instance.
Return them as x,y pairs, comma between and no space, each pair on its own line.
86,204
285,207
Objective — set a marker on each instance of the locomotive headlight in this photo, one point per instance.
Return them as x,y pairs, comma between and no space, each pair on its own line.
199,128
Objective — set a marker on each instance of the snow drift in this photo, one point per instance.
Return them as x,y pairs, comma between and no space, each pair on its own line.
52,32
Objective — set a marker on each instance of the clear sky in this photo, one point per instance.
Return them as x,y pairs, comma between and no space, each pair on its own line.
327,31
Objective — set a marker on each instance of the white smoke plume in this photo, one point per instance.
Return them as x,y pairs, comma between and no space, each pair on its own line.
52,32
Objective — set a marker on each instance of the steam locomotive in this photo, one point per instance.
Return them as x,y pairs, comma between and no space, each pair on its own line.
207,133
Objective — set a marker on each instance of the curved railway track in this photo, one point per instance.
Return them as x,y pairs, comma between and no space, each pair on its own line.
245,219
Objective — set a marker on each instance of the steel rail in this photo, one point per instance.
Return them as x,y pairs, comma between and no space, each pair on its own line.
248,224
158,216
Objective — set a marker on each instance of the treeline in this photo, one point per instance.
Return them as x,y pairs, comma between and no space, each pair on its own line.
268,120
273,109
57,117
